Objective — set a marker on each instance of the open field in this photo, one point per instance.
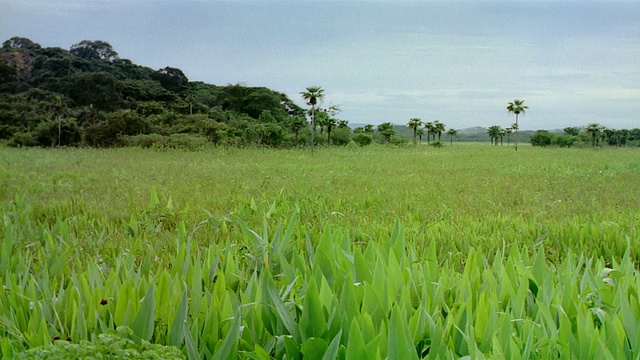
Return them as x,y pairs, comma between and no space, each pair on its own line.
372,252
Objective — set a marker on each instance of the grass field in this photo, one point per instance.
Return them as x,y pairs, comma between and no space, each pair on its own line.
376,252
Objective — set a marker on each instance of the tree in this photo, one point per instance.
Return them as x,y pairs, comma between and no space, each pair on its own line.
311,97
574,131
343,124
94,50
414,123
430,130
172,79
368,129
516,107
20,43
420,133
508,132
494,133
330,124
438,128
594,130
386,131
295,124
452,133
331,121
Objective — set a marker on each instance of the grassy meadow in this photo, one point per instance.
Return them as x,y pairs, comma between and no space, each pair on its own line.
349,253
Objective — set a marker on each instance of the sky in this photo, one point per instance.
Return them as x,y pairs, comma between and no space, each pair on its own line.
459,62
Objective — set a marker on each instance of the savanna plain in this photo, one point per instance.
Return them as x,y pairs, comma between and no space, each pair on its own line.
464,251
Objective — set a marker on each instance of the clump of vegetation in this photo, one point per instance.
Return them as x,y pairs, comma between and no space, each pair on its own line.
116,345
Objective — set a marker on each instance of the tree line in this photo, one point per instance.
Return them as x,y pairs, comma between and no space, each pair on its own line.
89,96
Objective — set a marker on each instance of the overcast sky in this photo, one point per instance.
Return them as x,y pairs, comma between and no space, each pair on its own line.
460,62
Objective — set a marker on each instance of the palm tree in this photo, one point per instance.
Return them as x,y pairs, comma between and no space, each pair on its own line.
430,130
420,133
311,97
508,132
343,124
386,131
414,123
593,130
516,107
330,123
452,133
368,129
321,120
494,133
296,123
438,128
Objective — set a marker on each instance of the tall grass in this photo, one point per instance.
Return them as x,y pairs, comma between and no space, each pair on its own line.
378,252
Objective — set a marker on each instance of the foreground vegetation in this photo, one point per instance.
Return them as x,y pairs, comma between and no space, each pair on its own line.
375,252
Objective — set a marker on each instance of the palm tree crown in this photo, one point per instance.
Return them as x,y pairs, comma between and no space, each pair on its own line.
312,95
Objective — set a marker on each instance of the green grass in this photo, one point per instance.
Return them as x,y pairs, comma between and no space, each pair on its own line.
375,251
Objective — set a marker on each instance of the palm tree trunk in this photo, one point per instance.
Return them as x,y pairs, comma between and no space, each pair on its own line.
313,126
515,136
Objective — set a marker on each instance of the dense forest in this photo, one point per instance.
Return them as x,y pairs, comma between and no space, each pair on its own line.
88,95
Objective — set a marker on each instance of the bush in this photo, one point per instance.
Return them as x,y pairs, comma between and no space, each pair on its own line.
564,140
362,139
116,345
187,142
340,136
118,124
23,139
146,140
541,138
436,144
398,140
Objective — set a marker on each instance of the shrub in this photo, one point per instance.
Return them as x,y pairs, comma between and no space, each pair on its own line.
436,144
116,345
541,138
564,140
23,139
340,136
362,139
146,140
187,142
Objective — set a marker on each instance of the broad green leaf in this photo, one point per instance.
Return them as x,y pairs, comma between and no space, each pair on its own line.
176,335
332,351
143,324
229,348
312,323
314,349
400,345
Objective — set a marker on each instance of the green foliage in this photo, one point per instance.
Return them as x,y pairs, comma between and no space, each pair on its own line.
541,138
436,144
115,345
240,253
362,139
340,136
96,87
